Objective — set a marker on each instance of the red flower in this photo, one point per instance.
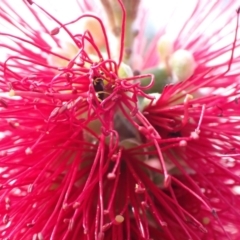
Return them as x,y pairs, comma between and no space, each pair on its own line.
86,153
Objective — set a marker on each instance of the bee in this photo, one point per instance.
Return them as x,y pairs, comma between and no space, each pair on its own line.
99,87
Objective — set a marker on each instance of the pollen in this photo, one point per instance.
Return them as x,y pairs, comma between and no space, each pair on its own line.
194,135
183,143
206,220
187,98
28,151
16,124
119,219
182,65
11,93
38,236
3,153
111,176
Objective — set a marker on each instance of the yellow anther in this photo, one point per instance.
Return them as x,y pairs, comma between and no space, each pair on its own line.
119,219
11,93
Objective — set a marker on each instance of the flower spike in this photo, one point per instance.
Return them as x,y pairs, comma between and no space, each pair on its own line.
117,135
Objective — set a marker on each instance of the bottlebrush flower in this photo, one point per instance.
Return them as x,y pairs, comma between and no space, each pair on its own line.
93,150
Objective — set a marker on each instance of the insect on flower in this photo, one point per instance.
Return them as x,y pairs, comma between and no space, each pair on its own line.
98,84
94,150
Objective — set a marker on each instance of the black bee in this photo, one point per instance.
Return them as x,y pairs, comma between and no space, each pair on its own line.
175,134
99,87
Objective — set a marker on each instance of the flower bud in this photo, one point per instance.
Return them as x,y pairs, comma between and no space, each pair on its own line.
182,65
165,47
146,101
67,50
94,27
125,71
